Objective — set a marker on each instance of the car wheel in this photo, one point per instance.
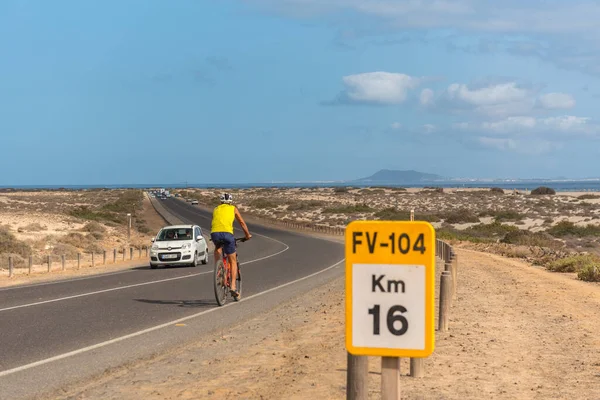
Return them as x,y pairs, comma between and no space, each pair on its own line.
153,266
195,263
205,260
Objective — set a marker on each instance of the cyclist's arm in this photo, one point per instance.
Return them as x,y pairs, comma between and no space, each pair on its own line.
239,218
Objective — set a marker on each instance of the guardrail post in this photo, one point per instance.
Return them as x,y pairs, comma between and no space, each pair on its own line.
139,252
62,261
93,263
454,274
445,282
124,252
30,264
49,261
131,253
78,260
146,248
417,367
10,266
448,269
114,256
357,373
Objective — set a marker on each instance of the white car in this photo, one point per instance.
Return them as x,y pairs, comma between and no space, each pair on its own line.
179,245
194,202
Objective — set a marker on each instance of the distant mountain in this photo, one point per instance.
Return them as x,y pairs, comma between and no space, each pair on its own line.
401,177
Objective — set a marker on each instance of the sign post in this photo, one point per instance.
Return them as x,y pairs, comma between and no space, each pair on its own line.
390,290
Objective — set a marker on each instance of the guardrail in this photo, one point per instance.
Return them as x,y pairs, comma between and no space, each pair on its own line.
84,259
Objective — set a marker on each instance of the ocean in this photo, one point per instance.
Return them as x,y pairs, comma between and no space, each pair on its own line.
559,186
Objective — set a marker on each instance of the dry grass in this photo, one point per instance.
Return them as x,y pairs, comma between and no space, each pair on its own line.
64,222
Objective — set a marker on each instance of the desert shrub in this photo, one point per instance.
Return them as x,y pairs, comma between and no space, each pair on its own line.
348,209
74,239
488,232
9,244
526,238
94,227
567,228
497,190
543,190
507,215
18,261
340,190
393,214
460,216
304,205
262,203
97,235
589,273
435,189
128,202
33,227
588,197
68,250
573,263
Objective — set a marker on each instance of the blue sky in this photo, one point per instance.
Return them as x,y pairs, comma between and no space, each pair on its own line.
149,91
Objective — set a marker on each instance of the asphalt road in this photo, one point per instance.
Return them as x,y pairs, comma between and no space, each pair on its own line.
61,333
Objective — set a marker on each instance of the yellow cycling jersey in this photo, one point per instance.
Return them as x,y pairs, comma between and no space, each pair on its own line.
223,216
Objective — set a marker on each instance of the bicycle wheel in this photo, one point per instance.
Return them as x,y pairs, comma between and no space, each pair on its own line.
219,283
238,282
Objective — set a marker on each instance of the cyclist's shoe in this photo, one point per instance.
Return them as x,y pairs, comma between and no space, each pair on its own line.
235,294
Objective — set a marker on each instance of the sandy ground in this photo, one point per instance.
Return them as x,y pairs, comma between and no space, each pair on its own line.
40,272
310,204
516,332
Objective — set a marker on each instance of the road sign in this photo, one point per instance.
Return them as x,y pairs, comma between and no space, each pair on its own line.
390,288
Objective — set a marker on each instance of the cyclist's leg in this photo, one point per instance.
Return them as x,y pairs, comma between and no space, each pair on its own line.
218,251
229,248
234,270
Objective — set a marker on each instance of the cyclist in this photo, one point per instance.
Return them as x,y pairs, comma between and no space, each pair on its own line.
221,234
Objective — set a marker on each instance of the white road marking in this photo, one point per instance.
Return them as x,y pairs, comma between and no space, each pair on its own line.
67,280
171,323
136,284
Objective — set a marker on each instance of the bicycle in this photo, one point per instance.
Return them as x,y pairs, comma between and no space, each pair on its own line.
222,276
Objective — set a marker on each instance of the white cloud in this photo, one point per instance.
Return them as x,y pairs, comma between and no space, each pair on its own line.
429,128
568,29
508,16
498,143
499,100
492,100
426,97
379,87
396,125
490,95
529,147
519,126
553,101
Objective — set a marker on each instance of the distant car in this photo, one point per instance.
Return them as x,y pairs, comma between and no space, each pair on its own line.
179,245
195,202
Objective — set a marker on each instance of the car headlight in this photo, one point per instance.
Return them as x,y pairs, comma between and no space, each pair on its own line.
154,247
186,246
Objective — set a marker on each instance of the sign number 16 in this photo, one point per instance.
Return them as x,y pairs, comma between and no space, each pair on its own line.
391,319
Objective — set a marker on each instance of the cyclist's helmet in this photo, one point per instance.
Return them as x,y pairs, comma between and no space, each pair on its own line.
226,198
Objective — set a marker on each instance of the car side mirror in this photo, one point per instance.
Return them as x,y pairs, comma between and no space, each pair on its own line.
199,238
152,240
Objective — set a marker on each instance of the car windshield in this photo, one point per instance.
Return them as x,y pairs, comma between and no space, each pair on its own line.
175,234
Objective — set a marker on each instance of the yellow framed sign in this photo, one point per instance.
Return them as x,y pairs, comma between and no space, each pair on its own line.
390,288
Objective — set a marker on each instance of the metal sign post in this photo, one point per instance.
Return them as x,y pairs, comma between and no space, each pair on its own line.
390,290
